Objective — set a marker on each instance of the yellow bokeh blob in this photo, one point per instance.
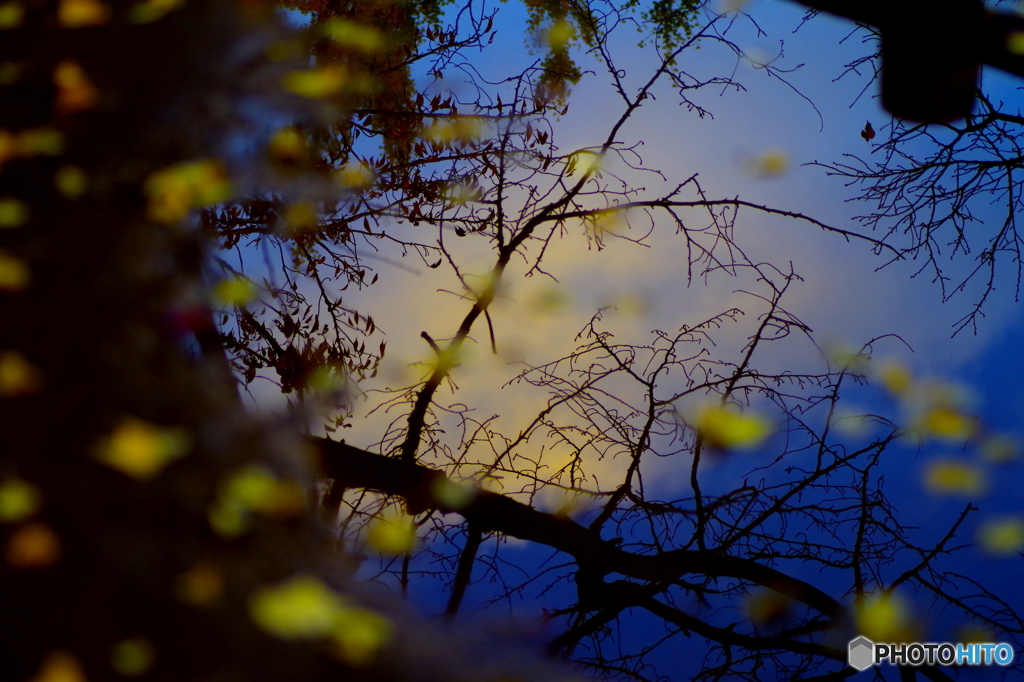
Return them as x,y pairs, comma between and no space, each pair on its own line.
71,181
11,14
300,608
729,428
152,10
75,92
884,618
133,656
60,666
392,534
33,545
352,34
955,477
316,83
1002,536
236,291
17,375
19,500
13,212
82,13
14,273
201,585
356,175
559,34
176,190
140,449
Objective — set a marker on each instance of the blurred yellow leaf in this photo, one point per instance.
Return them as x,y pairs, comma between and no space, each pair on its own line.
583,161
33,545
727,427
151,10
133,656
18,500
392,534
60,666
1015,43
71,181
451,495
356,175
287,146
299,608
44,141
770,164
75,92
352,34
1002,537
358,634
17,375
947,424
14,276
236,291
884,618
255,487
559,34
955,477
10,72
895,377
11,14
174,191
228,519
300,216
201,585
80,13
13,213
316,83
1000,449
140,449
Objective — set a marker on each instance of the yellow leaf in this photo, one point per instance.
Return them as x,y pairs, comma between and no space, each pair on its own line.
14,276
13,213
255,487
60,666
18,500
287,146
356,175
729,428
174,191
392,534
316,83
45,141
1000,449
451,495
10,72
201,585
236,291
352,34
1002,537
33,545
299,608
140,449
768,607
227,518
884,618
895,377
1015,43
17,375
133,656
71,181
358,634
773,163
152,10
11,14
947,424
559,34
955,477
80,13
301,216
75,92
